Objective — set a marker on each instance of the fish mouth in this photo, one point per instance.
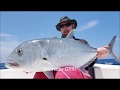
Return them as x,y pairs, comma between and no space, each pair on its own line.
12,64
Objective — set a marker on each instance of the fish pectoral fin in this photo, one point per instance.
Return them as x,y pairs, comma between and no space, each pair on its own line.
49,74
84,71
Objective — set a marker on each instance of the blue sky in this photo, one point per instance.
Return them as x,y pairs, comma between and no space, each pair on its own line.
97,27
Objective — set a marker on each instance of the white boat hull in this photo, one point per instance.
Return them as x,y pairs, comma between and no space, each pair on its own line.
101,71
104,71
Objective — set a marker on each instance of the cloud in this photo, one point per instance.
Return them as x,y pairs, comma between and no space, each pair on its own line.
8,43
5,35
88,25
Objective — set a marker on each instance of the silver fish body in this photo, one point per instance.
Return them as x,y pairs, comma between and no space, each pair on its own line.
49,54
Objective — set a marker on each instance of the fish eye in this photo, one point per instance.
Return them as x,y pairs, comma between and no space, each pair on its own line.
45,58
19,52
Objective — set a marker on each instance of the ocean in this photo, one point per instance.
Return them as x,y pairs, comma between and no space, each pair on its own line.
99,61
2,66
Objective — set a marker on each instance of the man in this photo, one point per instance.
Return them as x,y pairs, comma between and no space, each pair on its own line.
65,26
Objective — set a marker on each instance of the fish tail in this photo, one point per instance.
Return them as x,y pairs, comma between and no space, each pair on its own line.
111,44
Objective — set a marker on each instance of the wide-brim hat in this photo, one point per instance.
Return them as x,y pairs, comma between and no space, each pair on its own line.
66,19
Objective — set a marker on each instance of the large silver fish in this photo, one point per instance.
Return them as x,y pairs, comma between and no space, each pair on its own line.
49,54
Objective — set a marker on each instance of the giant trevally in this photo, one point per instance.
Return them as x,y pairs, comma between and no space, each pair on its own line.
47,54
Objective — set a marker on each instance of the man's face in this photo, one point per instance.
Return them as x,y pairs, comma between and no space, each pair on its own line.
66,27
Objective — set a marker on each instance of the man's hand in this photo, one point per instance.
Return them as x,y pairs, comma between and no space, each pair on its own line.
102,52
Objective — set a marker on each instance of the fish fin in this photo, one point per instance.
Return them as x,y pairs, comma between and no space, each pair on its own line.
49,74
26,72
84,71
71,33
111,44
88,63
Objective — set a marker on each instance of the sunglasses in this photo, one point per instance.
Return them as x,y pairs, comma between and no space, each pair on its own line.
67,25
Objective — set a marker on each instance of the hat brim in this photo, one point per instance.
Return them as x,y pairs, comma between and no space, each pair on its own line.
73,21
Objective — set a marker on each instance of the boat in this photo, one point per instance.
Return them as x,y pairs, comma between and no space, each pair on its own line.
100,71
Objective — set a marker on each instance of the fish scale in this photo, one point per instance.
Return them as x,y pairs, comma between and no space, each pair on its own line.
69,51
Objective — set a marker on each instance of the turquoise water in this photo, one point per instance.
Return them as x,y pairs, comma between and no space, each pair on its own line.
99,61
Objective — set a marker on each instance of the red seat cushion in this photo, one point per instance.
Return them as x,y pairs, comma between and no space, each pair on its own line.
71,73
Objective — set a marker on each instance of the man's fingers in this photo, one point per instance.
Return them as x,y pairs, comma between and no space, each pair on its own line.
102,52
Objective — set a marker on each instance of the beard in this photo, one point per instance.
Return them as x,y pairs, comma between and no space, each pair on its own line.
66,33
